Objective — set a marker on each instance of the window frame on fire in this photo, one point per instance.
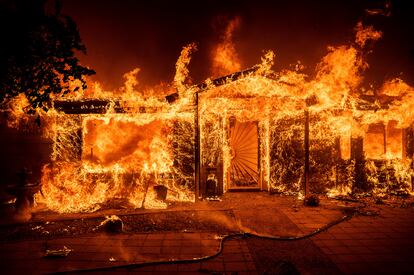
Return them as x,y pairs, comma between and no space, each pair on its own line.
386,133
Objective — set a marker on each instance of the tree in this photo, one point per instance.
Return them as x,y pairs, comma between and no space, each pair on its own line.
38,52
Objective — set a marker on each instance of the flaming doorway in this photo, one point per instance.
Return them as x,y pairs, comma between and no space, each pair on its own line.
244,151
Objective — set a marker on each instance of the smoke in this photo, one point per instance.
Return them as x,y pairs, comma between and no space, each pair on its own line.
151,34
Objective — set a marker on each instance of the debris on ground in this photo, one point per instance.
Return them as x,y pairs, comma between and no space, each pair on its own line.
348,210
112,259
111,224
57,253
368,212
214,198
345,198
405,204
39,227
187,221
311,200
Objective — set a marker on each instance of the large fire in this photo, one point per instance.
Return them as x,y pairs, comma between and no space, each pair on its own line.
250,127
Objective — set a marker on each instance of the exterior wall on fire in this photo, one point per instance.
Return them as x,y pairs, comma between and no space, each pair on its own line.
382,156
68,145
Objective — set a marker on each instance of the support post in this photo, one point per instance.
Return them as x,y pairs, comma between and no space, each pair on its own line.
385,139
306,152
410,150
357,154
197,149
404,143
338,159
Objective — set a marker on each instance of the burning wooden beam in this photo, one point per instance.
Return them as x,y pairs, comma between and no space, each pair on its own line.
99,106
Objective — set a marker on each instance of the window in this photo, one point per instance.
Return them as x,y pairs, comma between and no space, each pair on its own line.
382,141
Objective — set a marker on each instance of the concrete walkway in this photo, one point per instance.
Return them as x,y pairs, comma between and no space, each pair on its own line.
365,244
26,257
381,244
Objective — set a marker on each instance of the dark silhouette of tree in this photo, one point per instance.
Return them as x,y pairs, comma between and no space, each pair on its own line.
38,52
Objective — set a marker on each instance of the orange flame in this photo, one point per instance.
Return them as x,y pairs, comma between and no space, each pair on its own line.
225,58
364,34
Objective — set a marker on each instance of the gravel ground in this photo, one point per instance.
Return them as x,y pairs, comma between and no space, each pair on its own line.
188,221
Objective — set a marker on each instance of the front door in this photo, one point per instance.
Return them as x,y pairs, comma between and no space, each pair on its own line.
244,148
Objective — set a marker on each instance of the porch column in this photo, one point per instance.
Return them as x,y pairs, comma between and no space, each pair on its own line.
197,149
306,152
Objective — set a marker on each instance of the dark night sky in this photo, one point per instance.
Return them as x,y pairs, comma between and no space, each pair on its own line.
122,35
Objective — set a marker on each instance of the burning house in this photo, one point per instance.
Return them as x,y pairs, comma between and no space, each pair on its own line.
255,129
282,141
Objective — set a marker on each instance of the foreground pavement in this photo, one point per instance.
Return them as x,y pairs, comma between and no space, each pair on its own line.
377,240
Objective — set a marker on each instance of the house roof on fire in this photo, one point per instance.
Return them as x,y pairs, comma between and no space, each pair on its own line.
100,106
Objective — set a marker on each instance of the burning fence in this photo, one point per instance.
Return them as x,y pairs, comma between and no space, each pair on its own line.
247,130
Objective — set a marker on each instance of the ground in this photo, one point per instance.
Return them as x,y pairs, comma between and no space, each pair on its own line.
358,236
